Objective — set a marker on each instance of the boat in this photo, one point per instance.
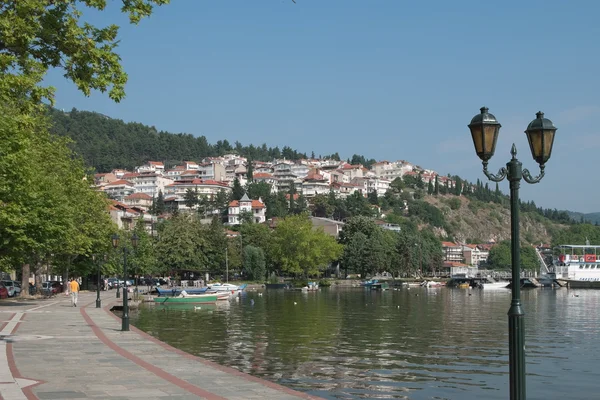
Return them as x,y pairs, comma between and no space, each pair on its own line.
379,286
495,285
225,287
311,287
188,299
432,284
176,291
577,265
370,282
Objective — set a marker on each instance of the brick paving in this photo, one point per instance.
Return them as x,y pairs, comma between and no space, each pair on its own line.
50,350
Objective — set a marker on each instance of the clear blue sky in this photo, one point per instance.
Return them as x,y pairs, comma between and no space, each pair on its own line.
386,79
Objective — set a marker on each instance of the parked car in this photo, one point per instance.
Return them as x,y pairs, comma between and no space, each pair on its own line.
114,283
3,291
13,288
52,287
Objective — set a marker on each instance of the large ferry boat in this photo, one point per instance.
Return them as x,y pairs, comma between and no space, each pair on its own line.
577,265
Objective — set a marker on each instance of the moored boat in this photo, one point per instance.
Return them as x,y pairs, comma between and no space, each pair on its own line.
577,265
176,291
190,298
495,285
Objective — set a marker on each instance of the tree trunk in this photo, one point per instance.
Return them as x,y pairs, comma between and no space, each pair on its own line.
25,280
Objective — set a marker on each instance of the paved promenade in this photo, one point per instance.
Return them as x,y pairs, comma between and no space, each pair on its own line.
51,350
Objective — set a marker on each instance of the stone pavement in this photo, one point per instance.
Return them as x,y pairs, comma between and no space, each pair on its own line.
51,350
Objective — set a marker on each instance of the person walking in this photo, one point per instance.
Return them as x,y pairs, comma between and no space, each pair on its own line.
74,289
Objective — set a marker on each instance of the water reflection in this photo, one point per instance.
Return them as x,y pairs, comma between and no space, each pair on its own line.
420,343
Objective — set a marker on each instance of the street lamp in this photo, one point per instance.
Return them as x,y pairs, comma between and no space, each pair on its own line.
98,301
540,134
134,243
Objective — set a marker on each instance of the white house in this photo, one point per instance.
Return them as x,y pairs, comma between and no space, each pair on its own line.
245,205
150,183
204,187
118,190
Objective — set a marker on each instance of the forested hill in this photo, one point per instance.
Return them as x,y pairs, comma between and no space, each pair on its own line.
106,143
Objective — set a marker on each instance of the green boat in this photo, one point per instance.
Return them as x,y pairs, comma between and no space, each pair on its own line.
189,299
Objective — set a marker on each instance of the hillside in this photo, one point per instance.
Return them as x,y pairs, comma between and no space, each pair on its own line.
592,218
478,222
106,143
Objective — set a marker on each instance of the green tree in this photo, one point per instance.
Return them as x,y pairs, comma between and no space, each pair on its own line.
500,257
321,207
40,34
372,198
250,172
254,263
190,198
180,246
237,192
301,250
159,204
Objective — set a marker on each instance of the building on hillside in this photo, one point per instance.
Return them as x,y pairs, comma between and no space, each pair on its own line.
150,183
452,252
475,255
118,190
103,179
314,184
215,171
140,200
458,269
204,187
126,217
329,226
152,166
256,208
388,226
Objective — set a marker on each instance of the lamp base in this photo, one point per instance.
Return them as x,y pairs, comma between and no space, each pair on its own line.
98,303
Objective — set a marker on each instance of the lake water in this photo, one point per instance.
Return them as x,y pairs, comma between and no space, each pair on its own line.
403,344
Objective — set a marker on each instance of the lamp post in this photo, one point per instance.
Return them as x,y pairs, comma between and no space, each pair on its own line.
134,243
98,301
540,135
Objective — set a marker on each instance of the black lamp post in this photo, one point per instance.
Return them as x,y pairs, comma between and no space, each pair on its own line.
98,301
134,243
540,134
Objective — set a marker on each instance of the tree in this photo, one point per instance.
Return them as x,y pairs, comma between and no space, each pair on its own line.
191,198
373,199
250,172
42,213
41,34
430,188
159,204
321,207
500,257
301,250
436,188
237,192
254,263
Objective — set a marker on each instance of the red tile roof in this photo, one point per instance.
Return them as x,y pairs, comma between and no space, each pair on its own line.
141,196
119,182
449,244
255,204
261,175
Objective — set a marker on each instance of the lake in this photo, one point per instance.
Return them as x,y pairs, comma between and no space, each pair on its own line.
417,343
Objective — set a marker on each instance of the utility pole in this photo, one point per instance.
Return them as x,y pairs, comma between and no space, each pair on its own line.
226,266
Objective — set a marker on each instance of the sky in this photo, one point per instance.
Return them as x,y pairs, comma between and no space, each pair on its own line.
386,79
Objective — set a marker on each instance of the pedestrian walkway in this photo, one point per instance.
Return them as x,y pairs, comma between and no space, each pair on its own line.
52,350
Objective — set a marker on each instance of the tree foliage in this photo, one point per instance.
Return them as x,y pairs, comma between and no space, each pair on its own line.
299,249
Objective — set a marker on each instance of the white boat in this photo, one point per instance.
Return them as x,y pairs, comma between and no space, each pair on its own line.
577,265
224,288
495,285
